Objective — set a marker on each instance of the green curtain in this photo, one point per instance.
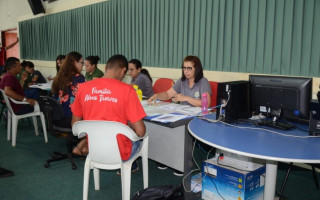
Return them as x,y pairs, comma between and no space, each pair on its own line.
254,36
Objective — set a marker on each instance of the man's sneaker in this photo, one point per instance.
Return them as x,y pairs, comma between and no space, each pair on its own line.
178,173
162,167
5,173
134,168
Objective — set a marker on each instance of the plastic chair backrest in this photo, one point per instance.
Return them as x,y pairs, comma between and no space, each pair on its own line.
214,89
102,142
162,84
6,99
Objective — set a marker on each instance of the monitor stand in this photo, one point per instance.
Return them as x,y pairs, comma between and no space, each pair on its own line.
276,125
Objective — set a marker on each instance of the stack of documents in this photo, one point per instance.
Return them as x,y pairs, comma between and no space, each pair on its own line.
165,118
162,108
42,86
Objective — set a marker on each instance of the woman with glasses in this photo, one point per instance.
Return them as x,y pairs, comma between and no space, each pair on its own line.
92,71
140,77
65,84
190,87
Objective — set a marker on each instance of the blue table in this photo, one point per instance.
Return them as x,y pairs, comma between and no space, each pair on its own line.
259,144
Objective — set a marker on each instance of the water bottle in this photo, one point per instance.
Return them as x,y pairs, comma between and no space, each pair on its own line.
139,93
204,103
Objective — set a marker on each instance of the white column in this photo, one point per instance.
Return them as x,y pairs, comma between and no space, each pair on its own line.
270,182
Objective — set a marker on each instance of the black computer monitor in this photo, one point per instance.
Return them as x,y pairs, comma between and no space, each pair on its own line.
281,97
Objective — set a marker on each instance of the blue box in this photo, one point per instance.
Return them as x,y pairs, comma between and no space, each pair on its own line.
231,183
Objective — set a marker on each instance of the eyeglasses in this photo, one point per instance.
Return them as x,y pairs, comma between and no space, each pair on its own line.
186,68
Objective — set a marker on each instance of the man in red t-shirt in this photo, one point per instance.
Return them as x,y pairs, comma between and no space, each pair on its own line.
108,98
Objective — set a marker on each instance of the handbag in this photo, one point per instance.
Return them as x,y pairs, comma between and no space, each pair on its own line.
167,192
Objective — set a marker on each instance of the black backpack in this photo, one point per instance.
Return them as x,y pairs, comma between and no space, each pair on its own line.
167,192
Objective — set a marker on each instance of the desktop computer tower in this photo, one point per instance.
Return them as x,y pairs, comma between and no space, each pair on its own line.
314,121
236,97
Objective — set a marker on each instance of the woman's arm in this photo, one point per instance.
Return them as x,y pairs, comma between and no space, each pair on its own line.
163,95
191,100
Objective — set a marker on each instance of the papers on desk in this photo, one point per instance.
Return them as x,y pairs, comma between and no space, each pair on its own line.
165,118
164,108
42,86
144,103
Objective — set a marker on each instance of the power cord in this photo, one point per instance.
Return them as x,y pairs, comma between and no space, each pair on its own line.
194,170
253,128
198,169
205,174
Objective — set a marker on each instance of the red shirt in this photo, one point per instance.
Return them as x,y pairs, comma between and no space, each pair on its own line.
2,51
111,100
11,81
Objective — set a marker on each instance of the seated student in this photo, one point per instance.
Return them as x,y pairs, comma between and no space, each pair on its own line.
126,107
140,77
66,83
59,61
12,88
25,79
188,89
36,75
91,68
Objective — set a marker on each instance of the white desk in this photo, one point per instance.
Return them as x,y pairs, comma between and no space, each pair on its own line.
167,140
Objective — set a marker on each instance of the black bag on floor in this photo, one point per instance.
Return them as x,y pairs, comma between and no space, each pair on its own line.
167,192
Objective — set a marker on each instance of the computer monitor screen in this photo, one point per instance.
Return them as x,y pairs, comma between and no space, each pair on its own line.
281,97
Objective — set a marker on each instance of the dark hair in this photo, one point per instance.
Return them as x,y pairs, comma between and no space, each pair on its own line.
64,76
11,62
197,65
93,60
117,61
146,72
136,63
25,64
59,57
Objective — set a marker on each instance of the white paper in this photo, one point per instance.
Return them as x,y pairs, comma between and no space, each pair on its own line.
169,118
42,86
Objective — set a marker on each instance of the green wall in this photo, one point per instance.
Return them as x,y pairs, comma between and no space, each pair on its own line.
254,36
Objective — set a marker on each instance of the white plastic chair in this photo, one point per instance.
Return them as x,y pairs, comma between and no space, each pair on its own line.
104,153
14,119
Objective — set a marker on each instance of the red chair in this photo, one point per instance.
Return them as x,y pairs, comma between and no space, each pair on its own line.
162,85
214,88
